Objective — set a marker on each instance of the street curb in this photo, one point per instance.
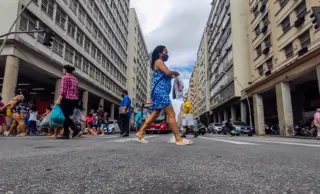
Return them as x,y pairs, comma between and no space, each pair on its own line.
291,137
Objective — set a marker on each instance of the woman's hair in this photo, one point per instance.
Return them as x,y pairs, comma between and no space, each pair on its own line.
49,108
69,68
0,98
33,108
155,54
90,115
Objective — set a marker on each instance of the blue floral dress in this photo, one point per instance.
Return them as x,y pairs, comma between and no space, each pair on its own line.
160,90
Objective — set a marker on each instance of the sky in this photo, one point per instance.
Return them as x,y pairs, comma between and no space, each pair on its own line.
178,25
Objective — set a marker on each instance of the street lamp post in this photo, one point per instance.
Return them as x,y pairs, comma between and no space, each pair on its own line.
245,93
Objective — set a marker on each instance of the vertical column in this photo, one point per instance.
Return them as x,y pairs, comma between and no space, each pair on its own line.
57,89
214,117
101,103
318,75
233,113
284,106
225,115
243,107
258,114
112,111
85,97
10,78
219,117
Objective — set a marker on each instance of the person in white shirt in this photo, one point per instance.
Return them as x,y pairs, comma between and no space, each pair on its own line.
33,114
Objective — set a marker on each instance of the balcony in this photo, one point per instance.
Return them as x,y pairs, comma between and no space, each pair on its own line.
223,96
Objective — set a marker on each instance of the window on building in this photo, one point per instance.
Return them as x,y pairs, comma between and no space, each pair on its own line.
27,23
58,46
74,6
301,9
258,49
90,4
266,19
82,15
257,30
89,24
285,24
288,50
269,64
61,18
77,60
305,39
255,11
283,2
48,7
97,74
71,29
96,12
260,70
93,51
92,70
40,36
267,41
103,78
85,66
87,44
69,53
99,56
100,41
95,32
79,38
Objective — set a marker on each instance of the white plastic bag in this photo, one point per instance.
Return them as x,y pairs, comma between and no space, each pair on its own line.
77,116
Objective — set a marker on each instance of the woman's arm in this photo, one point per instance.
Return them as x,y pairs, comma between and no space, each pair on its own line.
63,90
162,67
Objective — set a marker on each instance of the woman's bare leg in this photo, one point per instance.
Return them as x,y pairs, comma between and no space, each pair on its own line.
171,115
154,114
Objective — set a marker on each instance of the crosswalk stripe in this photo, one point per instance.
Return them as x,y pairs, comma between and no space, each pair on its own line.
229,141
134,139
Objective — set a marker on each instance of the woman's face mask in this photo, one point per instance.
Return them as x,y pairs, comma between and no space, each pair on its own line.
165,57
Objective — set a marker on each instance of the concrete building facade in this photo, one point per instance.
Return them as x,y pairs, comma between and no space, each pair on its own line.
228,47
138,62
194,91
203,91
284,63
91,35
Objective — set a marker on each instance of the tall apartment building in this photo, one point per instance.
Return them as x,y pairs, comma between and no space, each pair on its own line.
138,62
89,34
284,63
194,91
203,83
228,44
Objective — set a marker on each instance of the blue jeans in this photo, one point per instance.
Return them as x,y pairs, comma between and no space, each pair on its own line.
105,128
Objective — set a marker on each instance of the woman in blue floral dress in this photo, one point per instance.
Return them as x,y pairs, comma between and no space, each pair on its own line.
160,91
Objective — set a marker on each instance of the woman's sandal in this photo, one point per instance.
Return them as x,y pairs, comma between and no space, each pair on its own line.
141,140
185,142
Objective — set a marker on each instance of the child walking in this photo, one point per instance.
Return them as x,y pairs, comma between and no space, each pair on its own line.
33,120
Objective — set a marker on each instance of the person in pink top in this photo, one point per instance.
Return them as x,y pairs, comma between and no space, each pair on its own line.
316,121
2,117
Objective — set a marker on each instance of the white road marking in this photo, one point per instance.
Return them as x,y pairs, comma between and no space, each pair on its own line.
229,141
134,139
286,143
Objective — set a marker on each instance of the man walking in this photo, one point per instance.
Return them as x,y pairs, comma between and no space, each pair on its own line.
187,110
124,114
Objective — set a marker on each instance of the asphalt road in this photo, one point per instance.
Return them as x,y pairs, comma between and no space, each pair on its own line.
214,164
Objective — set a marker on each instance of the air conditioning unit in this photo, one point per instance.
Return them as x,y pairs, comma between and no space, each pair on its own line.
262,8
264,29
303,51
299,21
266,50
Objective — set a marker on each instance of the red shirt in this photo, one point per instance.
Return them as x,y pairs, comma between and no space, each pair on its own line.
69,87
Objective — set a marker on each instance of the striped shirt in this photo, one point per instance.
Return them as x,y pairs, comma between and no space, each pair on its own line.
69,87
